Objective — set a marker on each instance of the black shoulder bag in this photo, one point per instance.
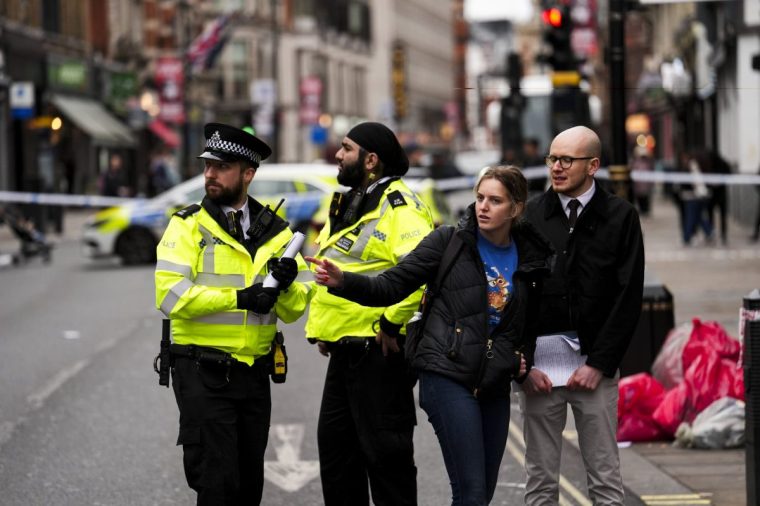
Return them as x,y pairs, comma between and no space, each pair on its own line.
416,325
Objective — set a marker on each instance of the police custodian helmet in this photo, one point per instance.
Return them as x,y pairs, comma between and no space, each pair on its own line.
229,144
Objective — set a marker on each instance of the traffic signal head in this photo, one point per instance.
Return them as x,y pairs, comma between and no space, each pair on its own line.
558,26
552,17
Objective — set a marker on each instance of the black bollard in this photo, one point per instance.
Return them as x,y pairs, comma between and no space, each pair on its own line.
751,359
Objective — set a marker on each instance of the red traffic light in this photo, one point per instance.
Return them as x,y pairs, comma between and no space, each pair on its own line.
552,17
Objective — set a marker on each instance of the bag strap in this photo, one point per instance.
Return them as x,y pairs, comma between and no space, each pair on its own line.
447,261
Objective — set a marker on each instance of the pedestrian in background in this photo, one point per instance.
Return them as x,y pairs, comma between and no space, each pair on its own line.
695,197
442,166
716,164
532,158
367,416
163,173
756,232
589,309
114,180
211,263
493,284
643,164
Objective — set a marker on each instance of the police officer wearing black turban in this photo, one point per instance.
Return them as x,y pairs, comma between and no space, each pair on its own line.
367,416
210,266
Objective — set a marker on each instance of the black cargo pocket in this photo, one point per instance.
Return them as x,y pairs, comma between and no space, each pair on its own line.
192,455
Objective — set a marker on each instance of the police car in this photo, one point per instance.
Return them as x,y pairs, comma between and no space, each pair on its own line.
132,230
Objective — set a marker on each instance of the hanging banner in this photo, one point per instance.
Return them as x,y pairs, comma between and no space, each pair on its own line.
311,100
170,80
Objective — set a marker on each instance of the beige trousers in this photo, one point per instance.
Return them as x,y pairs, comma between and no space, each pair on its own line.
595,413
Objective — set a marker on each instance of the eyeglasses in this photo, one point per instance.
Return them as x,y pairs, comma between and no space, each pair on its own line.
564,161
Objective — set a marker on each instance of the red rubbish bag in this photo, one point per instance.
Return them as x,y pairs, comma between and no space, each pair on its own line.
709,337
711,372
670,413
638,397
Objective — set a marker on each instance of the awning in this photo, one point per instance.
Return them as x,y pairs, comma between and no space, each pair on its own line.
90,116
163,132
655,2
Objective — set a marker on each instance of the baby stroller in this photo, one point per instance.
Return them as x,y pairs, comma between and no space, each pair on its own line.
33,241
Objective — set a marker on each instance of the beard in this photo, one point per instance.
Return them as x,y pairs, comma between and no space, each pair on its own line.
352,174
225,196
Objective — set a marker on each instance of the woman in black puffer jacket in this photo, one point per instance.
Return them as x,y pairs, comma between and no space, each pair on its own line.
478,322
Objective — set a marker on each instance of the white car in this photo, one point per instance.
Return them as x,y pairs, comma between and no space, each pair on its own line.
131,231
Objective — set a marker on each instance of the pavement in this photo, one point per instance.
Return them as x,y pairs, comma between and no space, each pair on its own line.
707,281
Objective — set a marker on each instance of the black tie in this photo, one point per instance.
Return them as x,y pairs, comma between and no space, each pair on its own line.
573,206
236,229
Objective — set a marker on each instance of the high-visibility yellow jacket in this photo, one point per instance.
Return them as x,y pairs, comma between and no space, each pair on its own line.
199,269
376,242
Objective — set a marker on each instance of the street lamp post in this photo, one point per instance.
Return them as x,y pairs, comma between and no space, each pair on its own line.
4,83
276,84
620,174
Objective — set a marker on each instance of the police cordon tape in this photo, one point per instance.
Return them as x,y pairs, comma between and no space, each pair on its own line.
456,183
60,199
537,172
63,199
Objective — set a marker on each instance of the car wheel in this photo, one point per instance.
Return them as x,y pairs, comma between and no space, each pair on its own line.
136,246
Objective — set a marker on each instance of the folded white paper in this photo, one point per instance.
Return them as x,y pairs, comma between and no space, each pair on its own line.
558,356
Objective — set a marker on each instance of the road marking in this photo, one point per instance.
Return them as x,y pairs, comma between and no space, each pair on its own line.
677,499
516,435
289,472
37,399
510,484
689,255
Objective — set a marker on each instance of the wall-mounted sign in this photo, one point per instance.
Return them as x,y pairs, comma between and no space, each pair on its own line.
22,100
71,75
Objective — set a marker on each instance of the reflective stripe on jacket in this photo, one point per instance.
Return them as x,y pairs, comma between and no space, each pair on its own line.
200,267
377,241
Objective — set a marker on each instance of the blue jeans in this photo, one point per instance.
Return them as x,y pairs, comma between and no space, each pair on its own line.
472,434
695,215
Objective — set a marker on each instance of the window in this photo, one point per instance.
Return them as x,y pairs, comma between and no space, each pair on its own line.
237,55
51,16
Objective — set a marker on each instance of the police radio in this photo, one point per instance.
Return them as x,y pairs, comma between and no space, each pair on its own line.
345,208
279,364
261,224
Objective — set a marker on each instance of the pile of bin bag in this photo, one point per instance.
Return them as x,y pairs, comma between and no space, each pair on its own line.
699,363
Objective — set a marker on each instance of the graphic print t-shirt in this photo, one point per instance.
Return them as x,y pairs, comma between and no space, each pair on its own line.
499,263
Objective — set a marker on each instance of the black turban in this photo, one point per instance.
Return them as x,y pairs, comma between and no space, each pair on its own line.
378,138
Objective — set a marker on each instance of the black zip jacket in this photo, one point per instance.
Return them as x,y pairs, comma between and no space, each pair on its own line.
456,337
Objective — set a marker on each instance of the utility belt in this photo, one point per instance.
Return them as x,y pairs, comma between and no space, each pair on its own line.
206,355
275,363
350,342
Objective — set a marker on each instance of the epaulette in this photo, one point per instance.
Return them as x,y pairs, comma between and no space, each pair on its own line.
188,211
396,199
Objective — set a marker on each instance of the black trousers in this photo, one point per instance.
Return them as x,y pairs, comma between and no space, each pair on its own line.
366,424
223,429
